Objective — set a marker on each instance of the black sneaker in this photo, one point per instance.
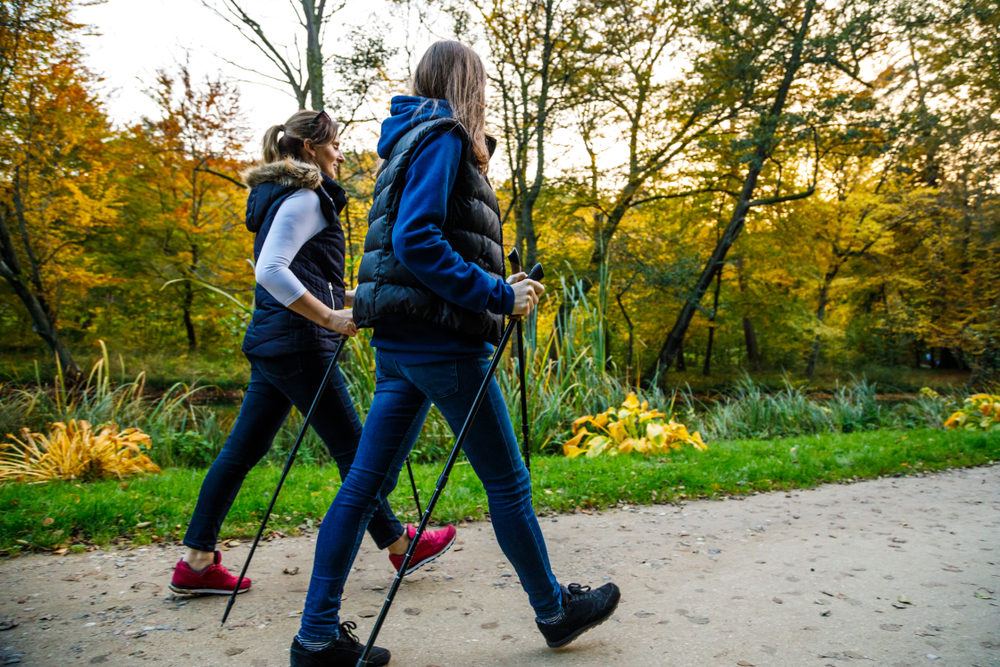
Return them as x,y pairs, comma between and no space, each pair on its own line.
344,652
583,609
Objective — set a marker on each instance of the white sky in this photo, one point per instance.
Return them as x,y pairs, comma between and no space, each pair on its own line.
137,37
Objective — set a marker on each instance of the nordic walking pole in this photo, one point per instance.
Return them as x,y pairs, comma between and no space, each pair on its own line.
536,274
413,483
515,267
284,473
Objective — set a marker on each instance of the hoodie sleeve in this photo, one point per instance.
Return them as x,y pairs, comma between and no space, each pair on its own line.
417,239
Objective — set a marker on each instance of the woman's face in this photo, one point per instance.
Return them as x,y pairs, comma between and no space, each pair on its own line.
327,157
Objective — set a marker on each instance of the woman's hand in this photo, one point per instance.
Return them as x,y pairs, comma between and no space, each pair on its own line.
341,321
526,293
349,298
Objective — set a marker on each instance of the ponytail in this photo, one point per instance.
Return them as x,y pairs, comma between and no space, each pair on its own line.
271,147
286,141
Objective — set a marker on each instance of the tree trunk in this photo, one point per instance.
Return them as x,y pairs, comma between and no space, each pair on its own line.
314,52
824,295
41,324
42,319
531,122
750,336
188,323
681,364
631,332
769,126
711,325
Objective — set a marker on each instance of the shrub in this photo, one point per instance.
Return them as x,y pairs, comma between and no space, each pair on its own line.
631,428
74,451
981,412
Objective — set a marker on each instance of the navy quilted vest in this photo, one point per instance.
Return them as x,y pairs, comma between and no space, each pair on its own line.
472,227
274,329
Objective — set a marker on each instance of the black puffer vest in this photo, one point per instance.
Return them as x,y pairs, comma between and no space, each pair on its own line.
472,227
274,329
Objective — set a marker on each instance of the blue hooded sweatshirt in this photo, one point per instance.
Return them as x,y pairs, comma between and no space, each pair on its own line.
419,244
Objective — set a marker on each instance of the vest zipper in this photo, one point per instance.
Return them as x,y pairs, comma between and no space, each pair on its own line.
333,302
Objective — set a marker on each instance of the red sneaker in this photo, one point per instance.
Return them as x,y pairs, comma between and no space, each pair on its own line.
213,580
432,544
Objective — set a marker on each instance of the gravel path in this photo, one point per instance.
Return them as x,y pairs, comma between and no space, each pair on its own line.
894,572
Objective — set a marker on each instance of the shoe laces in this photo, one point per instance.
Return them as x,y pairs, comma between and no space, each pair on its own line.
346,628
577,589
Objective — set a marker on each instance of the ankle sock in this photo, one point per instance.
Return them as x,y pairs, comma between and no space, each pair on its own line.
313,645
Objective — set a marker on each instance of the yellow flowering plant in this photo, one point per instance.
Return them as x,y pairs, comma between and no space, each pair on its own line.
74,451
631,428
981,412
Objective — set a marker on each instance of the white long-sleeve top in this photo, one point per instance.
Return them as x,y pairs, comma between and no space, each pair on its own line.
299,218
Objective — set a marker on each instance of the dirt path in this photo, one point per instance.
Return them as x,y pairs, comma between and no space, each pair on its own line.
895,572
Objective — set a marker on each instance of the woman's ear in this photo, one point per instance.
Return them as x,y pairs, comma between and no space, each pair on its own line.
309,148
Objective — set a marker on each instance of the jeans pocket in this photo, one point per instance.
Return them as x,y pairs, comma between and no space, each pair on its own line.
279,368
437,380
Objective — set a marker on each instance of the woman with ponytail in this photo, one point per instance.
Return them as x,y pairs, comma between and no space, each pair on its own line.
301,310
431,286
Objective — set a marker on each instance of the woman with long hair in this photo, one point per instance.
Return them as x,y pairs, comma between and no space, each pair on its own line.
431,287
302,310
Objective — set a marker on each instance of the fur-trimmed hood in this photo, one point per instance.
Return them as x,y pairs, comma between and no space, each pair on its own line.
272,183
288,172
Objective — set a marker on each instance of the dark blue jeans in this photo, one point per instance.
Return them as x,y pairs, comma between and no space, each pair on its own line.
276,384
403,395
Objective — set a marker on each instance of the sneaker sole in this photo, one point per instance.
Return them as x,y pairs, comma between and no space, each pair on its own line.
194,592
579,632
414,568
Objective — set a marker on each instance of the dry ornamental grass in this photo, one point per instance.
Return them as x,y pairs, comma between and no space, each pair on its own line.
74,451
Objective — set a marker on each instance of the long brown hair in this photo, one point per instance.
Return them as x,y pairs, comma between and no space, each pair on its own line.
287,140
453,72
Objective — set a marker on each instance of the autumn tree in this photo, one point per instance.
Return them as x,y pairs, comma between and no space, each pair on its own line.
951,83
785,53
56,192
185,203
538,51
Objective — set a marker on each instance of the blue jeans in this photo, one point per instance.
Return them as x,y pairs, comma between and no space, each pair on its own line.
403,394
276,384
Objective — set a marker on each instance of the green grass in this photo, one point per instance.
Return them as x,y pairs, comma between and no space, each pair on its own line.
104,512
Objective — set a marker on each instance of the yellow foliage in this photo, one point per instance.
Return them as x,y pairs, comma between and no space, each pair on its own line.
631,428
980,413
74,451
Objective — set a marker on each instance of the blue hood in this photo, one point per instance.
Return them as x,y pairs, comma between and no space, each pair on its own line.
406,113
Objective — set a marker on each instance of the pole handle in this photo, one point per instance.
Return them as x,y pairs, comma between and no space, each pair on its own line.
536,273
514,257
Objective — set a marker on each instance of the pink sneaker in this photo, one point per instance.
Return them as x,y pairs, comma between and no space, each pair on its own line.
432,544
213,580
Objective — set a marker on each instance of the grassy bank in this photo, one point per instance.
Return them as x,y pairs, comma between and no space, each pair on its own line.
48,515
187,432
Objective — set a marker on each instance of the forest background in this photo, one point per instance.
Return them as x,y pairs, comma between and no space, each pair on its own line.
805,187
